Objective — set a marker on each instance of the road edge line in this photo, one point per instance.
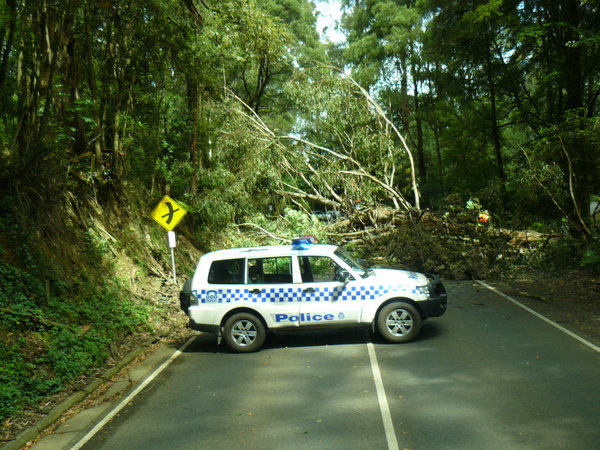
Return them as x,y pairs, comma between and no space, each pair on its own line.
34,431
540,316
130,397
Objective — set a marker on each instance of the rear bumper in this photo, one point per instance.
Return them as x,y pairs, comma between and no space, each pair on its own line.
207,328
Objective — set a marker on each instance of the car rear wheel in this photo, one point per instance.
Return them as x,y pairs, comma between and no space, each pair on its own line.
244,333
399,322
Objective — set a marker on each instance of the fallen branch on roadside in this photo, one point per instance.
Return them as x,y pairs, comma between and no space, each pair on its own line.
535,297
271,235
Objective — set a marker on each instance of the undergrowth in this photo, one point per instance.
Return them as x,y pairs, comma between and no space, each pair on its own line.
57,318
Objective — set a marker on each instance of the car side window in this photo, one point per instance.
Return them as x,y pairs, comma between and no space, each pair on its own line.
229,271
318,269
270,270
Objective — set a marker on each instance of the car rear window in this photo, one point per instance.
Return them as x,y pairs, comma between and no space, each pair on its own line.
229,271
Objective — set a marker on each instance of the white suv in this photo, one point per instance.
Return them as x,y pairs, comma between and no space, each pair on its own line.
240,294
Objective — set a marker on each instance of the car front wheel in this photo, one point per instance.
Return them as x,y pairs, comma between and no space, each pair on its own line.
399,322
244,333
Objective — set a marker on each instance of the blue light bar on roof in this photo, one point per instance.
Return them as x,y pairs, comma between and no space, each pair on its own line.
303,242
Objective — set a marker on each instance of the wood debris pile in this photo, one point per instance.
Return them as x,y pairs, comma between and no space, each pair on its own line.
370,222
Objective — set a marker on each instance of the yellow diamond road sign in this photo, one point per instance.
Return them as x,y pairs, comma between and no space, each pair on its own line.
168,213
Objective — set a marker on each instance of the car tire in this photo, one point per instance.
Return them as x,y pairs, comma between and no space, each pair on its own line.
399,322
244,333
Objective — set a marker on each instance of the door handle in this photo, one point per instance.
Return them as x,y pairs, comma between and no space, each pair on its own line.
309,290
255,291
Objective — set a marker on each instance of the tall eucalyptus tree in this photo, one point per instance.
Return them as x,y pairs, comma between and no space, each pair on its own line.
383,51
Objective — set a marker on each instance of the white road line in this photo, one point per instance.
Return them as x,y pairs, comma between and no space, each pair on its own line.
388,425
539,316
130,397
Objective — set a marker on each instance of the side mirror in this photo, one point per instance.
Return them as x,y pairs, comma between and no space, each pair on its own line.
344,276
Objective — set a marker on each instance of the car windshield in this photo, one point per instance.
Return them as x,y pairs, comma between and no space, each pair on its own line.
353,263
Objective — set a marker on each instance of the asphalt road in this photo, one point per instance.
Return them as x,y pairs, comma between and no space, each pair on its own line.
486,375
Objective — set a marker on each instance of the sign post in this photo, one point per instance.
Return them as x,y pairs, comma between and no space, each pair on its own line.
172,245
168,214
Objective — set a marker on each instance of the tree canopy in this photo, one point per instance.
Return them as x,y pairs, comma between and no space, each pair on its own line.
490,97
486,91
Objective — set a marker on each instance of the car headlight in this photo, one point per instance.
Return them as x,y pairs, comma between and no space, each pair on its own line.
423,290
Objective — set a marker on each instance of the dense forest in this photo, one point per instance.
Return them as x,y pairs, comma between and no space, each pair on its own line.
425,116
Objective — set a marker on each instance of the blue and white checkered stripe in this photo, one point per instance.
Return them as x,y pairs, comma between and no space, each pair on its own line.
295,294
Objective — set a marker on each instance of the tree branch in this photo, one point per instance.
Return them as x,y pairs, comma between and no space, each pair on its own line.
271,235
382,114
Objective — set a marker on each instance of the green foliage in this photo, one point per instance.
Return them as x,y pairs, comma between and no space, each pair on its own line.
20,289
557,255
533,190
591,257
297,223
19,377
73,337
355,155
262,230
97,244
53,330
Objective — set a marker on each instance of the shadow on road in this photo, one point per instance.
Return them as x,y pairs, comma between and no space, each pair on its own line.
207,343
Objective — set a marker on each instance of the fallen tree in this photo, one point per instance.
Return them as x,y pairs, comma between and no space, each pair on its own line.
365,156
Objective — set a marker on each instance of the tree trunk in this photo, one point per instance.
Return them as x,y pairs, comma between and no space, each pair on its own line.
8,47
98,138
573,80
193,106
494,119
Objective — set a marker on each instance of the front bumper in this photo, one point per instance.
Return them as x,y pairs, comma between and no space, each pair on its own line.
437,303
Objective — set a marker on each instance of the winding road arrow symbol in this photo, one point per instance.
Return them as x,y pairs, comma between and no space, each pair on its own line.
171,212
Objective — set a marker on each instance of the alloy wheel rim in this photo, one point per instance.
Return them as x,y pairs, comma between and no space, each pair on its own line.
243,332
399,322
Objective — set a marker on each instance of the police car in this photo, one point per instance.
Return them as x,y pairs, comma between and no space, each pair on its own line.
241,294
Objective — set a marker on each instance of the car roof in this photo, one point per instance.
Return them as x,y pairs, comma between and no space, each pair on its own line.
271,250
